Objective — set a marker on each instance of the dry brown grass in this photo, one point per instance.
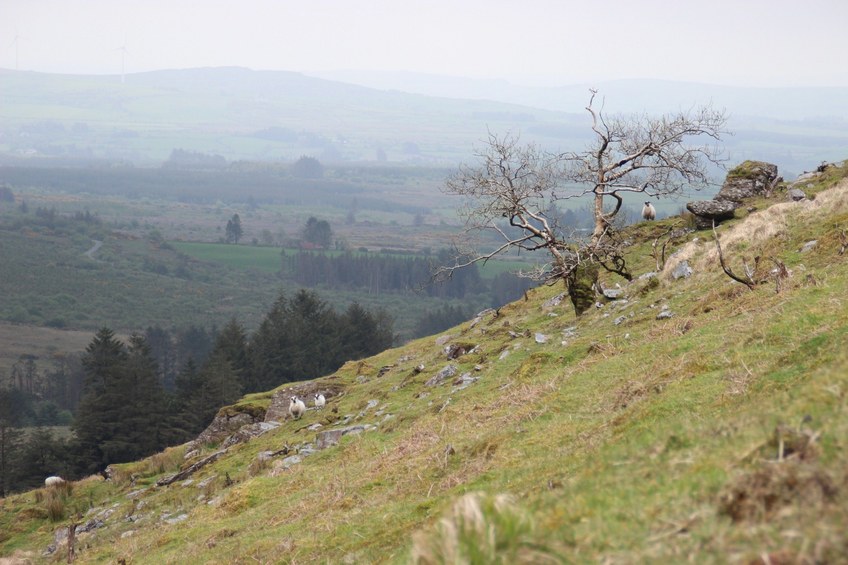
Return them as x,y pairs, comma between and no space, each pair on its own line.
761,228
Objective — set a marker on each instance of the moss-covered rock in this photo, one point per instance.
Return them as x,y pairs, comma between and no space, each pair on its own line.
581,286
750,178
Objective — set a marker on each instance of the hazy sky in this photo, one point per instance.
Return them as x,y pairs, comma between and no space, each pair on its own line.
740,42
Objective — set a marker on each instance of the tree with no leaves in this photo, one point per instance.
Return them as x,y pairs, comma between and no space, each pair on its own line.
510,190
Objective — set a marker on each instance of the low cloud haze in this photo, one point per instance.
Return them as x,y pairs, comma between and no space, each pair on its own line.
537,42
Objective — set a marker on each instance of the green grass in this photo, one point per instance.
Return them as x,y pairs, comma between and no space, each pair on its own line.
622,446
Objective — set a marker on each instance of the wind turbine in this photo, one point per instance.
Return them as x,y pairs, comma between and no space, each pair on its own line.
15,42
124,52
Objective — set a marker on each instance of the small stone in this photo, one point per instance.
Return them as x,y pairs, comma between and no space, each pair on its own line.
795,194
541,338
504,354
665,314
618,320
809,246
177,519
446,372
613,293
682,271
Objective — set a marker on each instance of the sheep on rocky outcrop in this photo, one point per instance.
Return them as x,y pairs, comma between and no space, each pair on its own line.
649,212
53,481
296,407
320,401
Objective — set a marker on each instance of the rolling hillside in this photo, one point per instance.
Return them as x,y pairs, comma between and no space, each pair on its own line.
689,420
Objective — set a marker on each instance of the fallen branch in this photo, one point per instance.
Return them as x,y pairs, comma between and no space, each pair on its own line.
749,282
164,481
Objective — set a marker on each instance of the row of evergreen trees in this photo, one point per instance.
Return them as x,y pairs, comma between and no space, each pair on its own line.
128,411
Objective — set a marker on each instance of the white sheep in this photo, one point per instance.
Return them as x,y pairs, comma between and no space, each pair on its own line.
320,401
296,407
649,212
53,481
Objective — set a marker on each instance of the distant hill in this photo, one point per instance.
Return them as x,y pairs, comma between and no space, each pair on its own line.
631,95
275,115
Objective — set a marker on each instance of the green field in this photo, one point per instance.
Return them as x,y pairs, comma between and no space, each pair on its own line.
268,260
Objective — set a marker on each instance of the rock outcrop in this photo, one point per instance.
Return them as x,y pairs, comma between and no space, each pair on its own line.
705,211
750,178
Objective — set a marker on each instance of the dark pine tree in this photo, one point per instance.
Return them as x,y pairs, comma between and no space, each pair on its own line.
101,406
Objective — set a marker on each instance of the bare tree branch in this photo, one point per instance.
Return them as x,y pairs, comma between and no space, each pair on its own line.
507,193
749,282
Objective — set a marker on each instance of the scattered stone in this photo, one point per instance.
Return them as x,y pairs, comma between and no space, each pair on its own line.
599,304
569,332
796,194
455,350
248,432
541,338
809,246
207,481
136,493
464,380
176,519
682,271
613,293
447,372
648,275
314,427
418,369
383,370
504,354
191,453
187,483
290,460
329,438
618,320
361,379
441,340
224,425
265,455
307,449
665,314
128,533
555,301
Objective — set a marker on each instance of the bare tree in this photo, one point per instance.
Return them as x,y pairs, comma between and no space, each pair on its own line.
643,154
509,191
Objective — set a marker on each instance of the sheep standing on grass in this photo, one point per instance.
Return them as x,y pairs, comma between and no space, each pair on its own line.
320,401
296,407
53,481
649,212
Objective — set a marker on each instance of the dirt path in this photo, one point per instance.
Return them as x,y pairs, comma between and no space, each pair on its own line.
90,253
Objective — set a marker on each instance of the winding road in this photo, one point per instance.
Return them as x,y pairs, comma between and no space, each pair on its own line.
90,253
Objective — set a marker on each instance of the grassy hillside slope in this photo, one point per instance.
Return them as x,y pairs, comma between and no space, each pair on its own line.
715,435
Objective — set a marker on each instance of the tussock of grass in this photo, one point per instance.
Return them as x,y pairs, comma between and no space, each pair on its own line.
481,529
